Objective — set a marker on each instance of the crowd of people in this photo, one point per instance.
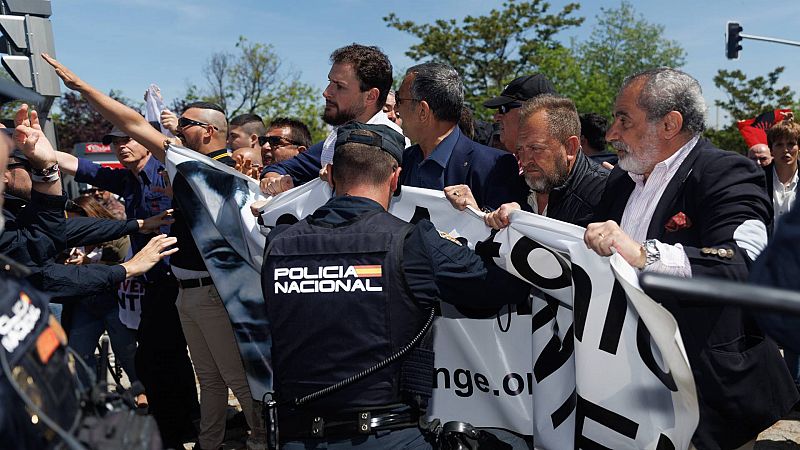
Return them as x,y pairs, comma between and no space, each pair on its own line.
665,199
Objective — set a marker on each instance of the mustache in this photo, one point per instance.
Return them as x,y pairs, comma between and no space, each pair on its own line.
619,146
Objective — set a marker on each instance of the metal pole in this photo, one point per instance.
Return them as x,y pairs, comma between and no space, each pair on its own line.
769,39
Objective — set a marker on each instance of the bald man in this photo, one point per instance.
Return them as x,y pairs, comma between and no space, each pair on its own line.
761,154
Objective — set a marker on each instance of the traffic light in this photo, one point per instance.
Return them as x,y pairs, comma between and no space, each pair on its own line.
732,39
27,32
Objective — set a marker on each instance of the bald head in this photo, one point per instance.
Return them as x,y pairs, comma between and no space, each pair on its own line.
760,154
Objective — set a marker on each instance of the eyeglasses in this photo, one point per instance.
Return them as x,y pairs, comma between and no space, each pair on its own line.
185,122
399,100
275,141
504,109
19,163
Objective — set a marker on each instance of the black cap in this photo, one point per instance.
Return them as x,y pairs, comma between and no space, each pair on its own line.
115,132
521,89
384,138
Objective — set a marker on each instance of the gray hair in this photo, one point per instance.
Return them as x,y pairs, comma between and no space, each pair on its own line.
441,87
666,90
562,116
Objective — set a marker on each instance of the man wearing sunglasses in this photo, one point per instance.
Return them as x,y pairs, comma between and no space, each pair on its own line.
203,128
510,100
285,139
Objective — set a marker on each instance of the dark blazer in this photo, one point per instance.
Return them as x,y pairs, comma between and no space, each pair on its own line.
743,385
491,174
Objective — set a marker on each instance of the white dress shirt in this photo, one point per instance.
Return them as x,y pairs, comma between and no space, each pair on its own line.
642,204
783,195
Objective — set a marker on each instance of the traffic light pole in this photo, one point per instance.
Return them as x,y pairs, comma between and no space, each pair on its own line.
769,39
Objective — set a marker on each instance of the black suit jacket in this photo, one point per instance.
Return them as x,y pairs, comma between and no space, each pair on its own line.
491,174
743,385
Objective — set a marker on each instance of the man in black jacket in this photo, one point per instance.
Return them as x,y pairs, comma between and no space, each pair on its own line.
676,204
563,183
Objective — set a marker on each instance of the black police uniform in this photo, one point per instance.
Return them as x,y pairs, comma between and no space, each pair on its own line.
347,287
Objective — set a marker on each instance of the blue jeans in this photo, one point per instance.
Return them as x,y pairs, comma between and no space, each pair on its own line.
88,325
405,439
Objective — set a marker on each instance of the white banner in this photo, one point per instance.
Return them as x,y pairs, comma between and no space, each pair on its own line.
590,361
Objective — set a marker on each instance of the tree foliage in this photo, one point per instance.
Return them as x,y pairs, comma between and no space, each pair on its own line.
746,98
76,121
620,44
253,80
489,51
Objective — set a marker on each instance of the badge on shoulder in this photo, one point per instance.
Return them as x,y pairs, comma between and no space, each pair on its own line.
449,237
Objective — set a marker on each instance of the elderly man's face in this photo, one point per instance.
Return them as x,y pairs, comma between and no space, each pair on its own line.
508,118
344,100
635,139
543,158
406,107
128,151
760,154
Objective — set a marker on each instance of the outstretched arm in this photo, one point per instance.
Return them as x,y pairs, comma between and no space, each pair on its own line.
128,120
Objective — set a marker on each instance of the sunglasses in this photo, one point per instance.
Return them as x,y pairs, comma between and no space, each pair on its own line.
19,163
275,141
185,122
504,109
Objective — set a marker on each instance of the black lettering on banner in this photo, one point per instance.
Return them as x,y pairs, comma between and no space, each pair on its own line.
554,355
649,360
563,412
519,259
488,248
481,382
615,318
286,219
462,378
607,418
446,373
419,214
664,443
546,314
581,294
507,383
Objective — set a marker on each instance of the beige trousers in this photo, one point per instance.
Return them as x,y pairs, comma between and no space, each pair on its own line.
216,360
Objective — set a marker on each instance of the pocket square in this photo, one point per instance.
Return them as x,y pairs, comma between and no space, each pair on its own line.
677,222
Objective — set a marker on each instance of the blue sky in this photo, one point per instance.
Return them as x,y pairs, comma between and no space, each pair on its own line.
128,44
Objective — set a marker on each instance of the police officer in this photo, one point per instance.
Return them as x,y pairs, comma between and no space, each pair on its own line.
350,285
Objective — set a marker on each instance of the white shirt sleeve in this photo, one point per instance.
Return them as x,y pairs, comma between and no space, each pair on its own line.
673,261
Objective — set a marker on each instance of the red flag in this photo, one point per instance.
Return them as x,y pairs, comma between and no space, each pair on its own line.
754,131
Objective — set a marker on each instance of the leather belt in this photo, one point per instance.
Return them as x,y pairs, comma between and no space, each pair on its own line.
195,282
346,425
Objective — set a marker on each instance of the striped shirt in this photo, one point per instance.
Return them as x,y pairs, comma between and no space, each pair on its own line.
642,204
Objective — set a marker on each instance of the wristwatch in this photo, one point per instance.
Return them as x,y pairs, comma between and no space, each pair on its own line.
651,252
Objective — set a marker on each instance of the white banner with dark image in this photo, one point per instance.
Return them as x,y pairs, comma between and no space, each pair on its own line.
589,358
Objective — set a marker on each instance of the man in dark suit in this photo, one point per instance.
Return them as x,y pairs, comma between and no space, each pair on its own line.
430,101
676,204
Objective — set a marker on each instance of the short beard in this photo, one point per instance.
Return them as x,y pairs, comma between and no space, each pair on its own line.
341,117
630,163
548,182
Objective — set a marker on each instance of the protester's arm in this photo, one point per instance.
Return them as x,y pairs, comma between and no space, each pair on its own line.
105,178
302,168
89,230
125,118
77,280
40,153
460,196
438,268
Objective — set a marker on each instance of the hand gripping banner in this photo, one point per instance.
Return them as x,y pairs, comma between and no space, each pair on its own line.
589,362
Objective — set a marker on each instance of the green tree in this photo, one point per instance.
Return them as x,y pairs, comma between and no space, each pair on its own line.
253,80
76,121
744,99
491,50
621,43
